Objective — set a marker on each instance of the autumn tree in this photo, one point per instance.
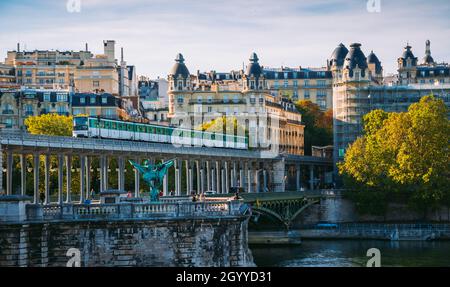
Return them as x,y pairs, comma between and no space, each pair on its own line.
50,124
318,125
402,156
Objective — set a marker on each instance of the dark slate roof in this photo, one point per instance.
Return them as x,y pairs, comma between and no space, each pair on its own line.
338,55
407,53
424,71
130,72
112,101
373,59
296,74
179,68
355,57
253,67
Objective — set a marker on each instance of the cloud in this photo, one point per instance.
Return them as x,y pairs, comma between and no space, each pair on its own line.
220,35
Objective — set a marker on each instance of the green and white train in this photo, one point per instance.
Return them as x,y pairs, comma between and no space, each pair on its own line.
94,127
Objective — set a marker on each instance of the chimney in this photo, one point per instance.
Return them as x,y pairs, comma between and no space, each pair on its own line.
18,47
87,47
121,54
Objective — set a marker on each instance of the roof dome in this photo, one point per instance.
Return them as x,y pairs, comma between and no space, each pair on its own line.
179,68
427,60
373,59
355,57
253,68
408,53
338,55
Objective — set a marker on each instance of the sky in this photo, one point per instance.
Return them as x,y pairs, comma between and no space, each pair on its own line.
220,35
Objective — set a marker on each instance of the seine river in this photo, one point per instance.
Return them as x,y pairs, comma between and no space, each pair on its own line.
352,253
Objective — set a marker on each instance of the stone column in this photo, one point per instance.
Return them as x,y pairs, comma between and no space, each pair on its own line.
68,179
298,178
249,177
36,178
227,181
102,173
213,179
222,180
191,179
279,178
197,165
234,175
264,180
231,178
88,176
202,178
218,185
241,176
23,175
137,180
60,178
311,177
106,174
208,176
188,188
256,182
47,178
82,178
9,172
177,177
121,173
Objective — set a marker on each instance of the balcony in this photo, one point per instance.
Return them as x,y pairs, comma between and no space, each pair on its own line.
217,102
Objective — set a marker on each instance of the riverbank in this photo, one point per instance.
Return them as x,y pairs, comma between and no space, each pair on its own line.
393,232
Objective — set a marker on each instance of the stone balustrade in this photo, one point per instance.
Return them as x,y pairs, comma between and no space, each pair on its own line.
125,210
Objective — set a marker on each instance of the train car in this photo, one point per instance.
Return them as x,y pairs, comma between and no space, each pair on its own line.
94,127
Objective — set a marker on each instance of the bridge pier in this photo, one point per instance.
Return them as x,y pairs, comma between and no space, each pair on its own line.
88,177
298,178
82,178
311,177
47,178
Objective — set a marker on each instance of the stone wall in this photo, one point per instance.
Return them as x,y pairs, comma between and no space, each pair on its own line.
161,242
338,209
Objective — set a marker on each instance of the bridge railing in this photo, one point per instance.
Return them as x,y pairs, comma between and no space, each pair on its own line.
134,210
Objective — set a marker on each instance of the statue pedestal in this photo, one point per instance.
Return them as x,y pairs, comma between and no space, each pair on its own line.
111,196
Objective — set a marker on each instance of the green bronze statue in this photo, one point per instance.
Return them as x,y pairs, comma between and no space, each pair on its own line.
153,174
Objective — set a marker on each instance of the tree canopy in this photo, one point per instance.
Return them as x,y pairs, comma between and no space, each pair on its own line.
224,124
50,124
403,156
318,125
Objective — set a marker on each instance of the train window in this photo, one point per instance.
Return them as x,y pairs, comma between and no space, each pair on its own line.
113,125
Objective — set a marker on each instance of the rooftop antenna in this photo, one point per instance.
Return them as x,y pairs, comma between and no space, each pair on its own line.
18,47
87,47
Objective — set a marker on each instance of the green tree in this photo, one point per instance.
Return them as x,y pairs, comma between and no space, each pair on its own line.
318,125
224,124
402,156
50,124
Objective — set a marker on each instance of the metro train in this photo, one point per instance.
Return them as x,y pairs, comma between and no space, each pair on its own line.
95,127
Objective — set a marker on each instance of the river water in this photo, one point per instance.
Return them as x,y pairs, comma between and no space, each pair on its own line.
352,253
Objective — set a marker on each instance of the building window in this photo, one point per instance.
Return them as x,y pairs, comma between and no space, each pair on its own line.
209,99
321,83
209,109
275,84
46,97
285,75
96,84
235,99
199,99
92,100
28,110
180,100
60,97
307,94
295,83
104,100
286,83
306,83
82,100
